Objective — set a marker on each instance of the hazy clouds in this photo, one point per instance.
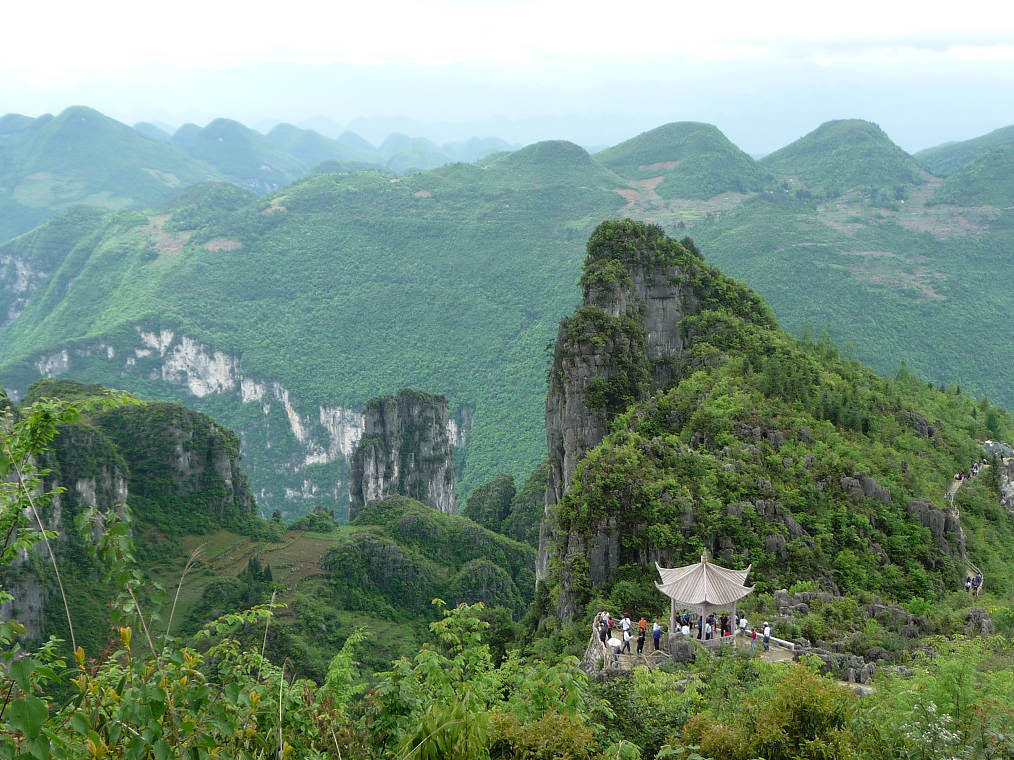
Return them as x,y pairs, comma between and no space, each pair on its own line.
593,72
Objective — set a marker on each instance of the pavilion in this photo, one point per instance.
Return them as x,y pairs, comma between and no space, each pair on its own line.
703,587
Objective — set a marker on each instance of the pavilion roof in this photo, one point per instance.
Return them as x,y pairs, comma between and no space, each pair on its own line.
703,583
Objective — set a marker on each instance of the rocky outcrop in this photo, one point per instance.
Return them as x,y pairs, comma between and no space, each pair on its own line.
406,450
1006,481
979,623
625,342
943,524
622,343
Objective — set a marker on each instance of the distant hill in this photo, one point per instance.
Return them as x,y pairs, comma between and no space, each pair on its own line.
405,154
694,160
246,157
51,163
987,181
946,159
844,155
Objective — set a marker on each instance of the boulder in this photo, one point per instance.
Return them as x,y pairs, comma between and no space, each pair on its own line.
979,623
681,649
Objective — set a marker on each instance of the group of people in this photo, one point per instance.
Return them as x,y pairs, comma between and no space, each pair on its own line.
973,470
629,630
707,628
973,585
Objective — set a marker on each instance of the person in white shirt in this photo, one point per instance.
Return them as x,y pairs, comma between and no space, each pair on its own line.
685,629
656,633
625,623
767,637
742,624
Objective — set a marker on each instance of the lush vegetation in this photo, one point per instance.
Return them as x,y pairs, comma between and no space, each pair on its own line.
82,157
351,285
844,155
477,686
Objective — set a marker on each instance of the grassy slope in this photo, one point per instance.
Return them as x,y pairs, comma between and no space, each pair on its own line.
451,281
695,160
944,160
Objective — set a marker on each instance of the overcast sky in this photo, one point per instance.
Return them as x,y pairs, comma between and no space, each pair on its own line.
593,72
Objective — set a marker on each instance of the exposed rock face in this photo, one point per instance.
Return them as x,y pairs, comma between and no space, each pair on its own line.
979,623
623,343
944,525
407,450
175,458
1007,484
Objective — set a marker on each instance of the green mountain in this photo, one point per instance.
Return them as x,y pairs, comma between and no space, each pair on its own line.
241,154
686,160
944,160
759,449
82,157
844,155
985,181
282,315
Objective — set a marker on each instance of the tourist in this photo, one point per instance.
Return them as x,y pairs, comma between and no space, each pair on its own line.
603,630
609,622
656,633
640,641
626,641
742,624
767,637
968,583
685,630
700,627
642,625
753,638
708,631
625,623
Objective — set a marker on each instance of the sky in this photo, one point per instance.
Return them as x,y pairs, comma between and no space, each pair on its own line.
593,72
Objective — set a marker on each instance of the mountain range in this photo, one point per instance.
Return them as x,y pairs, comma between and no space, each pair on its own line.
282,311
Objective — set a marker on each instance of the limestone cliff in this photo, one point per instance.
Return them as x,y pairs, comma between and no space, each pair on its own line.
624,342
406,450
176,469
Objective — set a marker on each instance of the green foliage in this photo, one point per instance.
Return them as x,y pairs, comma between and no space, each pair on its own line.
399,554
527,508
490,504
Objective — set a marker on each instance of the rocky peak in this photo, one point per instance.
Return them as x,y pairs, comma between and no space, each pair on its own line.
623,343
406,450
